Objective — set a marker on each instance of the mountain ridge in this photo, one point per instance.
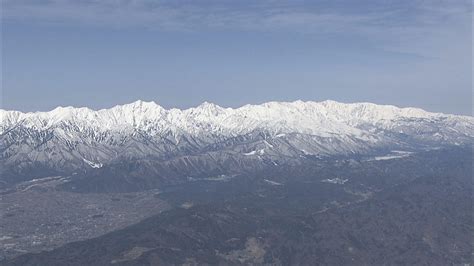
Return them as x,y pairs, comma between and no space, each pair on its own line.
206,103
212,140
137,111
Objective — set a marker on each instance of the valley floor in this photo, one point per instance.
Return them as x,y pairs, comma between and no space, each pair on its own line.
410,210
36,217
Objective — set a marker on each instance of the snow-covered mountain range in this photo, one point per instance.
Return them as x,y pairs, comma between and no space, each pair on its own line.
209,137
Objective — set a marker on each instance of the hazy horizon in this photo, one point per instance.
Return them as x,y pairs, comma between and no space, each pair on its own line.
103,53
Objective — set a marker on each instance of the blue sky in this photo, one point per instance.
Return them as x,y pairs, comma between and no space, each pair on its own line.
180,53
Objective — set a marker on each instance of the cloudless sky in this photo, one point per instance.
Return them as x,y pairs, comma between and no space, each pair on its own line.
180,53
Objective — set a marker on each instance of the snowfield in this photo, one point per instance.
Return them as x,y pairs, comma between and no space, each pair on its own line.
67,139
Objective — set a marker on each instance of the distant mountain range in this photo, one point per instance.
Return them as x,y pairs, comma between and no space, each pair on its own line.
281,183
144,143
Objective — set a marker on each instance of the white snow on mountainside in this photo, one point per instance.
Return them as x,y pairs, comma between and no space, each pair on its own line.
318,118
74,138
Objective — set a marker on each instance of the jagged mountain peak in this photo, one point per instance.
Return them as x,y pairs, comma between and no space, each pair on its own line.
299,116
327,106
67,138
139,104
207,108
